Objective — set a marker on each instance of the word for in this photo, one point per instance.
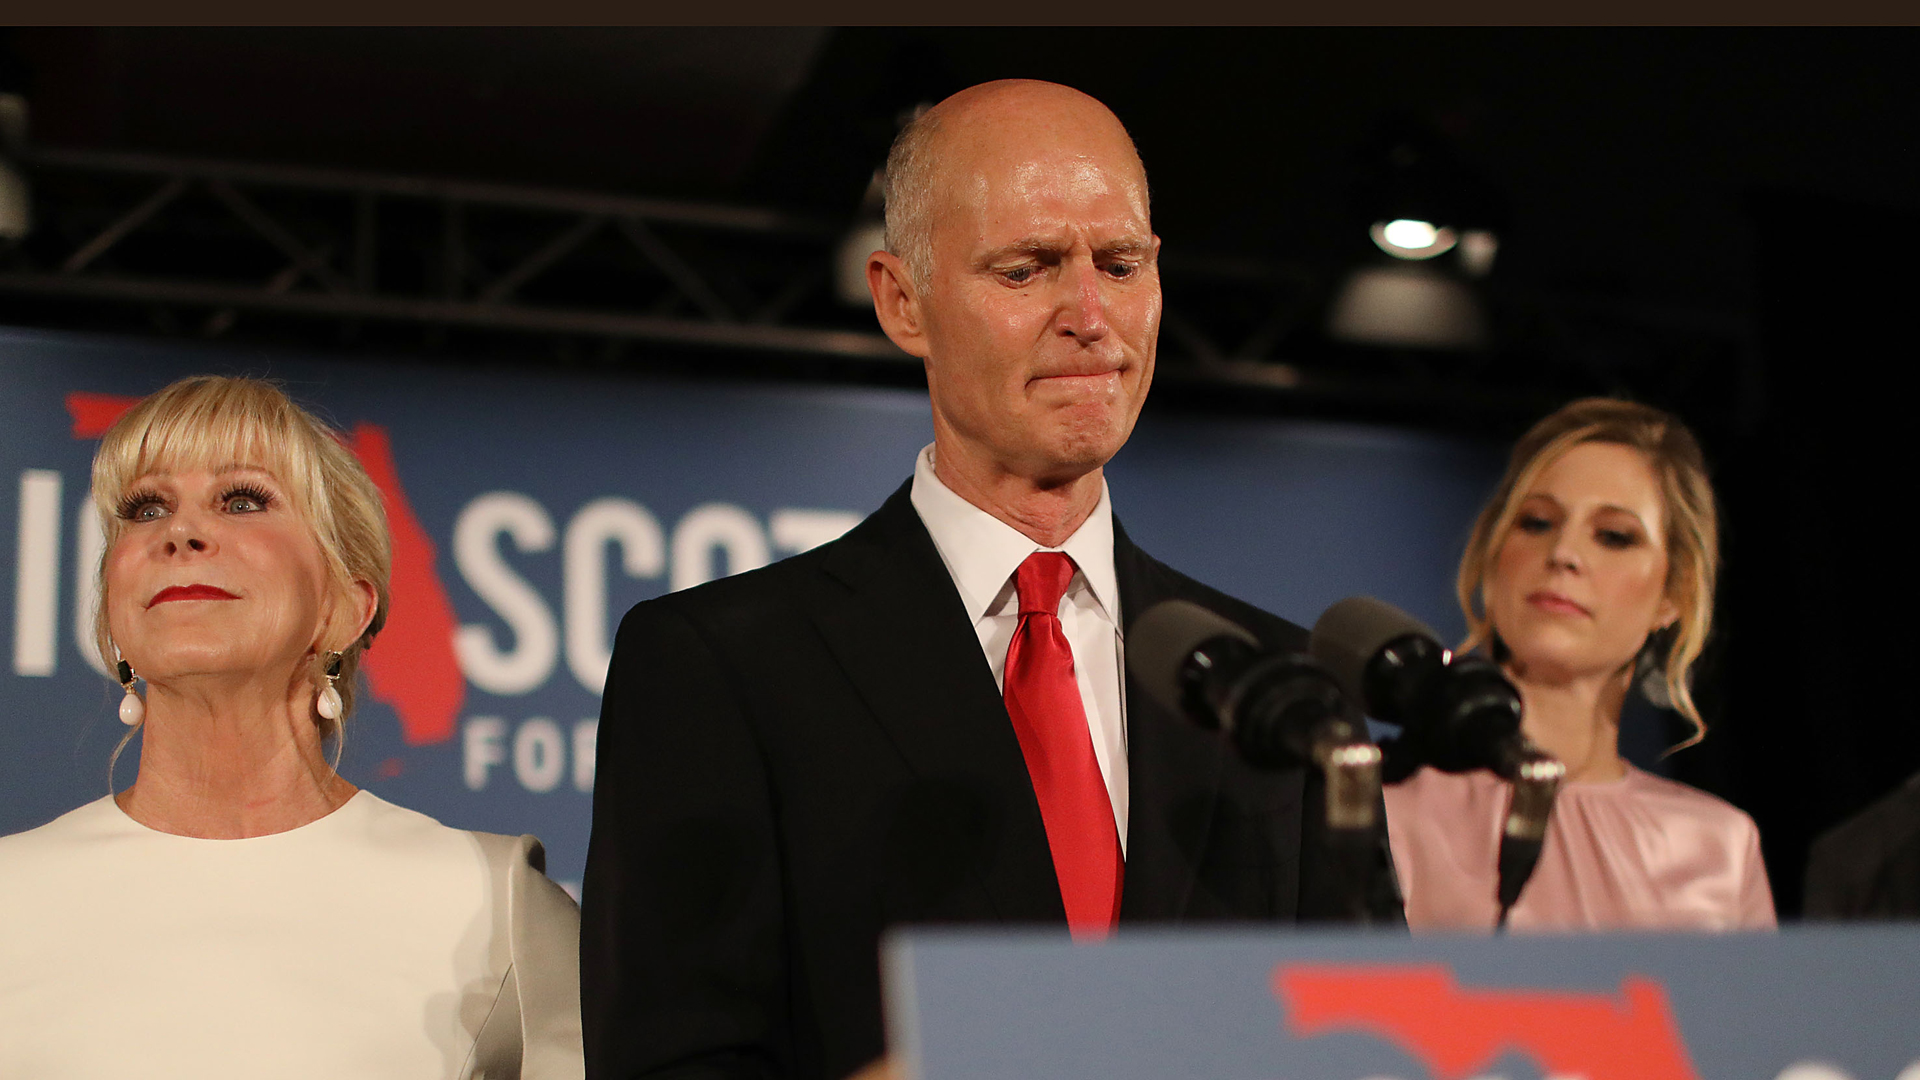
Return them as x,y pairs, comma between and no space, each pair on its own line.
541,754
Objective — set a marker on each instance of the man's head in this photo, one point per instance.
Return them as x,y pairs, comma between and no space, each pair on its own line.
1023,269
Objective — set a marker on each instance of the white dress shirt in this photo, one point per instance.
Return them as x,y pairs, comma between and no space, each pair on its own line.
982,552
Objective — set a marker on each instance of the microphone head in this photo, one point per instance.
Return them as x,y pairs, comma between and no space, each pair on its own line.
1352,632
1163,639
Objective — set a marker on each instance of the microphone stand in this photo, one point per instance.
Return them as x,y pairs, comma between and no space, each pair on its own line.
1354,830
1536,779
1279,710
1283,710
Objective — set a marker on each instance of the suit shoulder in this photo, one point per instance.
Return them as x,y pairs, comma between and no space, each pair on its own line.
753,598
1271,629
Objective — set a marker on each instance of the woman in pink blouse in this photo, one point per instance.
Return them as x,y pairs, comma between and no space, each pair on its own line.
1589,573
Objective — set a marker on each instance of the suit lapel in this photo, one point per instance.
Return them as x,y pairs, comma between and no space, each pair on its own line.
898,627
1174,769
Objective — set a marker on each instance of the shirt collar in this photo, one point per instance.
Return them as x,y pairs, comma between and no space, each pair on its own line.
982,552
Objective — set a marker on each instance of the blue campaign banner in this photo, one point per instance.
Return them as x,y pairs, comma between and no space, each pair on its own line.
531,509
1829,1003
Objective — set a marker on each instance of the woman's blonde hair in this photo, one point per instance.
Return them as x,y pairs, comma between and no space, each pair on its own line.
212,422
1692,532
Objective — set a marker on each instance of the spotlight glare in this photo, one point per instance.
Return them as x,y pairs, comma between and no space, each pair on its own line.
1405,238
1407,306
1414,235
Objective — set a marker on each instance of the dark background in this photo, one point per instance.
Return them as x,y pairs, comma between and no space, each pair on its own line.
1721,222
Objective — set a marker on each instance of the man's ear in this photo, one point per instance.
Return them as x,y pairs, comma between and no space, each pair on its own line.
896,303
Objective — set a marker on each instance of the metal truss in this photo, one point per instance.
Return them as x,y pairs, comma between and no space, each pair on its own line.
395,264
234,238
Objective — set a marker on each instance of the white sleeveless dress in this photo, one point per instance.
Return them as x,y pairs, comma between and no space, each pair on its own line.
373,943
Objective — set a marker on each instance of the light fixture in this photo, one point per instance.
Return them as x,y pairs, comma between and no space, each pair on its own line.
1477,249
16,203
1407,238
866,235
850,262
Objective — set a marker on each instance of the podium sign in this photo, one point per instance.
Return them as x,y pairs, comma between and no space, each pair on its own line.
1827,1003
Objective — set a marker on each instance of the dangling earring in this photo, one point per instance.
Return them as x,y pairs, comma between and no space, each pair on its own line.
132,708
329,705
1650,667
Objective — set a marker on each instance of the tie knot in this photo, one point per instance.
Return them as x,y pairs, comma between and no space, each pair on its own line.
1042,580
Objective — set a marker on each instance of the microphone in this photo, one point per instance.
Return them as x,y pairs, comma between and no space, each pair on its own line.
1278,709
1456,712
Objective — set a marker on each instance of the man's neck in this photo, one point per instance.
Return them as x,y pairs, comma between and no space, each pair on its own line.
1047,515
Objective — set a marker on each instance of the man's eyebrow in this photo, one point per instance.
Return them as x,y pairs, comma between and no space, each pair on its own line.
1026,245
1037,245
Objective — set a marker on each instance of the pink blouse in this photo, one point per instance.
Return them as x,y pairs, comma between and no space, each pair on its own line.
1642,852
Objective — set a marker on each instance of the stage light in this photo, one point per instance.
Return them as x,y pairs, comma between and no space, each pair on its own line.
1414,235
16,204
1477,249
850,262
16,207
1405,238
868,232
866,235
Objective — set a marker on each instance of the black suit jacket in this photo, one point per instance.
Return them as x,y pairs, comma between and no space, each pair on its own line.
1868,866
792,759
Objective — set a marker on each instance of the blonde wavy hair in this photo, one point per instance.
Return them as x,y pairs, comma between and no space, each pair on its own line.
212,422
1692,530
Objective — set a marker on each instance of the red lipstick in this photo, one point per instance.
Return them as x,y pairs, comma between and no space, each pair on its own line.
190,592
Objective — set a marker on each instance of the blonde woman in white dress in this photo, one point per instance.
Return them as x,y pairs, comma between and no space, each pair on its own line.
242,910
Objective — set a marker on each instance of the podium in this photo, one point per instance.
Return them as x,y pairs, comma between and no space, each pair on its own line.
1807,1003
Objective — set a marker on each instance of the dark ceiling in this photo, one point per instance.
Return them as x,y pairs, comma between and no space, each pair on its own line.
1625,155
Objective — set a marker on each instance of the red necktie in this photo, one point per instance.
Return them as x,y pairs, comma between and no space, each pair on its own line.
1044,702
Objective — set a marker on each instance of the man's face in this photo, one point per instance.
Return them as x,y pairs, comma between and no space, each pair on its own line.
1043,306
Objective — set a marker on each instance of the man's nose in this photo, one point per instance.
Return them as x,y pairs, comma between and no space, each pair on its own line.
1083,313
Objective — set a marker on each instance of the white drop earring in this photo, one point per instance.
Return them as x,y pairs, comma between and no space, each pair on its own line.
133,709
330,705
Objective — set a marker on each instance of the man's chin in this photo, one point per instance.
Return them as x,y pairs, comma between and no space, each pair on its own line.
1078,453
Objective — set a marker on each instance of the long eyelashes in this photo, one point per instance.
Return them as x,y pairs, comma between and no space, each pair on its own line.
133,501
259,495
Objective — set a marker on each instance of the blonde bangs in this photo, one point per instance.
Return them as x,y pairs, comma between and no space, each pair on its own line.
197,424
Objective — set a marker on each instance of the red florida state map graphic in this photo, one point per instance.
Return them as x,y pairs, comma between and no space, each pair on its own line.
411,667
1456,1032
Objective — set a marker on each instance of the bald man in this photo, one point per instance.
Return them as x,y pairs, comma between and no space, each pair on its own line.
929,720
